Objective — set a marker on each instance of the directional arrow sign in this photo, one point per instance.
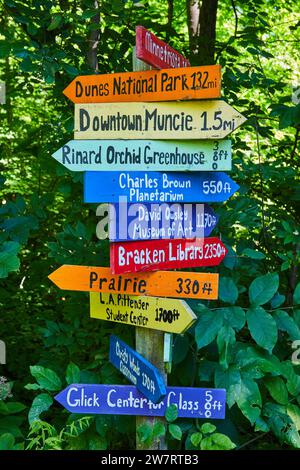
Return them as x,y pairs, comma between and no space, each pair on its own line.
155,52
160,283
170,315
160,221
212,119
147,378
138,186
150,255
143,155
208,403
152,85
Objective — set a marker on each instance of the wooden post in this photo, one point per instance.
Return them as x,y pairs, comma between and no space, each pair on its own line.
149,343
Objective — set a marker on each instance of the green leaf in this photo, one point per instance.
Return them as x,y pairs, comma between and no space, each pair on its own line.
40,404
261,425
9,260
286,323
294,413
262,327
97,443
253,254
180,349
249,399
55,22
277,300
171,413
263,289
33,387
208,428
217,441
282,425
208,325
4,49
293,379
296,296
230,260
70,69
88,14
72,374
229,379
228,292
296,316
287,118
277,389
225,339
255,358
234,316
14,407
175,431
11,424
196,438
7,441
159,430
47,378
78,426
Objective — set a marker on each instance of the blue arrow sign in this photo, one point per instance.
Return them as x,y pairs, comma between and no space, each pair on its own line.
137,369
205,403
140,186
137,221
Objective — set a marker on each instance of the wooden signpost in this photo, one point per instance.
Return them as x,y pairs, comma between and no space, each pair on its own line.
211,119
156,52
158,313
138,221
150,255
177,284
145,155
203,403
152,85
137,370
157,187
152,224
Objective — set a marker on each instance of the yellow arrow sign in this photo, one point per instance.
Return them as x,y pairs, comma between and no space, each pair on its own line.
210,119
170,315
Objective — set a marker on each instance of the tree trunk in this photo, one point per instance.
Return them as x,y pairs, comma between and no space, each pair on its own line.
202,30
193,13
170,18
93,42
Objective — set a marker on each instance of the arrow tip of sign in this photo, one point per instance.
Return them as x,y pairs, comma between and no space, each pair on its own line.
54,276
59,396
67,90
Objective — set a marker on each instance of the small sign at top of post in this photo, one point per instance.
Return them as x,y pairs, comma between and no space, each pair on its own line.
157,53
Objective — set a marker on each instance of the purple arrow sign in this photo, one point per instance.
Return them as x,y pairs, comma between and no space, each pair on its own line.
160,221
137,369
206,403
153,186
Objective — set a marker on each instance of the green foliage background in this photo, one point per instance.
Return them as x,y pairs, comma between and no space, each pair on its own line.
243,342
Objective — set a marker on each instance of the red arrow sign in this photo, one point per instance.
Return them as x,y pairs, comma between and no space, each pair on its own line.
156,52
151,255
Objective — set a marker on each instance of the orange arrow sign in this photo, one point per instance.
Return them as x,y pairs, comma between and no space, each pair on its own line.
158,283
187,83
